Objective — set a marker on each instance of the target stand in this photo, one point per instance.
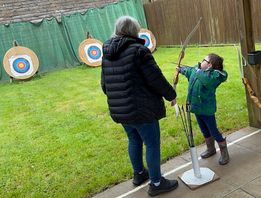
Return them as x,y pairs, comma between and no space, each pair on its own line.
20,62
150,41
197,177
90,51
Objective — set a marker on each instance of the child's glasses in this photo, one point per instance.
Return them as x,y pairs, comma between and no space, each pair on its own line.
206,61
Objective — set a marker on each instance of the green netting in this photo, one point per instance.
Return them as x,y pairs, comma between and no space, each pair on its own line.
46,38
56,44
100,22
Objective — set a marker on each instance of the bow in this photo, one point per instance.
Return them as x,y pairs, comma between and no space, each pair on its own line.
182,53
181,56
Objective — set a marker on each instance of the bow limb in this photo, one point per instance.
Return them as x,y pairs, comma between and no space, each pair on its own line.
181,56
182,53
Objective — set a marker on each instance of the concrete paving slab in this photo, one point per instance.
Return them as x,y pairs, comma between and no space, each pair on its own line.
186,156
253,187
117,190
239,194
252,143
172,164
240,133
138,194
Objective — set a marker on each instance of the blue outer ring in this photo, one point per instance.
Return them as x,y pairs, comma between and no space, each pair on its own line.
146,38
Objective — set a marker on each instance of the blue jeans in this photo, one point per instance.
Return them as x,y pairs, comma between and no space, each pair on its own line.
208,127
149,134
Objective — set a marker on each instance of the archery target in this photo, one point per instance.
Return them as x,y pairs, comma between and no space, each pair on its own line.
90,52
20,62
150,41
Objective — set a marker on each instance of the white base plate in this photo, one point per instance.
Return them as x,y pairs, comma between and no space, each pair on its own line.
194,182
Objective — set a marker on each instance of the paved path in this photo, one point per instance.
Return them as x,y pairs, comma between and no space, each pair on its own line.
241,178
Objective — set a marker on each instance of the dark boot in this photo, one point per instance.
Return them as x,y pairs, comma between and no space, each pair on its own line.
138,179
224,158
211,150
165,186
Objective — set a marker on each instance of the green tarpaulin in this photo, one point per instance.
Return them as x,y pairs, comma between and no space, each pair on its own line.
56,44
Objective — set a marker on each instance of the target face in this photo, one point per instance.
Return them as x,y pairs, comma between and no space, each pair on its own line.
20,62
94,52
90,52
21,65
150,41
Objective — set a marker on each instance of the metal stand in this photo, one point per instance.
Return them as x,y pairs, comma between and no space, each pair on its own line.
197,177
11,79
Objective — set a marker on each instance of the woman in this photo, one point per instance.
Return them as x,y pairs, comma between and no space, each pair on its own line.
135,87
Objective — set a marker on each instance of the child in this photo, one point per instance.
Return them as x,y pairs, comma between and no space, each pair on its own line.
203,79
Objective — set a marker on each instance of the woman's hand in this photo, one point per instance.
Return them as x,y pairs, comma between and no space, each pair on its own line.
173,102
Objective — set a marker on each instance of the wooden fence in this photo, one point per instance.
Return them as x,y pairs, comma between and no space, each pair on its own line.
172,20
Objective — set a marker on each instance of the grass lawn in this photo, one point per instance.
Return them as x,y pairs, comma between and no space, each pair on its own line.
58,140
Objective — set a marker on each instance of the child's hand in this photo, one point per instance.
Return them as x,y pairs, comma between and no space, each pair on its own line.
177,68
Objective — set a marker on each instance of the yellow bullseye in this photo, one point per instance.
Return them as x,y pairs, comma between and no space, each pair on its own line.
21,65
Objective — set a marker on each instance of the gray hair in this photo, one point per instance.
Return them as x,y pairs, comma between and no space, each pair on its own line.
126,25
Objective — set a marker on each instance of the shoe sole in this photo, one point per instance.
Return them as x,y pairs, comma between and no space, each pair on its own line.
208,155
224,163
138,184
163,191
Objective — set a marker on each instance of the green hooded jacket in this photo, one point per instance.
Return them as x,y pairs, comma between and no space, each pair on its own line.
202,88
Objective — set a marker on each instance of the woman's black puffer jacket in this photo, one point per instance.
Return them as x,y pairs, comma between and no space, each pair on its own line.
133,82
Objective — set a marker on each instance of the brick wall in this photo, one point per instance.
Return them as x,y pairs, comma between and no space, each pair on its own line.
33,10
